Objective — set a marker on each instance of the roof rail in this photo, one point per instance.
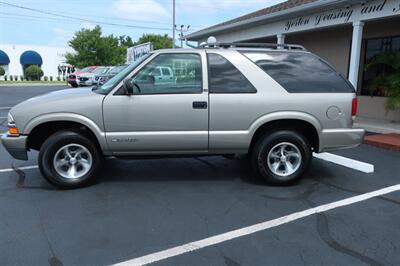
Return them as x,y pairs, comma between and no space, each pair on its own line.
254,45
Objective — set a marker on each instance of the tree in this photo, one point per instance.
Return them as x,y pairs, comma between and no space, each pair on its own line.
126,41
33,72
2,71
389,81
93,49
159,41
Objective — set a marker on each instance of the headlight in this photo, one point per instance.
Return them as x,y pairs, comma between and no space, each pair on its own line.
10,119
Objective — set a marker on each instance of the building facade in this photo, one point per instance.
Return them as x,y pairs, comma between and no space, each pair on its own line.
346,33
14,58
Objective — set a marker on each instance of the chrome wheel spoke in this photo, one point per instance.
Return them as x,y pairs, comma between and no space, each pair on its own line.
71,171
60,163
85,164
293,155
275,156
283,147
67,152
289,167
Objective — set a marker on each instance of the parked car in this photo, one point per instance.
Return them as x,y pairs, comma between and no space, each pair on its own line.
278,106
86,79
100,79
73,79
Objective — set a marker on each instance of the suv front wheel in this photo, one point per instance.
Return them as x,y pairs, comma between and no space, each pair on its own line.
68,159
281,157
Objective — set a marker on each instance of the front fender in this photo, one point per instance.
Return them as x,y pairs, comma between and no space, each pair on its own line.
71,117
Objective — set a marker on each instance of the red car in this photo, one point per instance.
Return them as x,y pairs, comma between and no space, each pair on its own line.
72,78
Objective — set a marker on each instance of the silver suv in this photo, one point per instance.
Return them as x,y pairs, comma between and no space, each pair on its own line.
278,104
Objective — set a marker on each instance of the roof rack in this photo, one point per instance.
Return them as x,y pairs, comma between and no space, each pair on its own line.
253,45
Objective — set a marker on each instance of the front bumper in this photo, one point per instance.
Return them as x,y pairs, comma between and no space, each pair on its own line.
16,146
85,82
335,139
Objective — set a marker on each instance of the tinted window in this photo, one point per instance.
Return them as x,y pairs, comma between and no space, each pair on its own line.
187,80
165,72
225,77
156,72
300,72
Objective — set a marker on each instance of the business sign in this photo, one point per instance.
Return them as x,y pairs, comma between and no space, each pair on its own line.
353,12
135,52
358,12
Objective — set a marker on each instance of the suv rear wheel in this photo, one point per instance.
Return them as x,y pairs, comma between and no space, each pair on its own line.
281,157
68,159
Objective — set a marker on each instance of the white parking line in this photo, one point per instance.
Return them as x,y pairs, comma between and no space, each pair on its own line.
5,108
179,250
20,168
347,162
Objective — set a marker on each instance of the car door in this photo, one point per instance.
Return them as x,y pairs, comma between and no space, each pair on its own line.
169,117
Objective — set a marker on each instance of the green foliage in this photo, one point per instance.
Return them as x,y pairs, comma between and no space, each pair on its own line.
58,78
2,71
33,72
5,77
159,41
51,78
91,48
21,78
46,78
390,81
15,77
126,41
11,77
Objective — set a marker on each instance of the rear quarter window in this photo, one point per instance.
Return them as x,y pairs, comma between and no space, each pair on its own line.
301,72
224,77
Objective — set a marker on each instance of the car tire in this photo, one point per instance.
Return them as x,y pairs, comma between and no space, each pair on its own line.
281,157
68,159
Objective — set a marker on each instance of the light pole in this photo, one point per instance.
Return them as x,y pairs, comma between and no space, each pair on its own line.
173,23
181,31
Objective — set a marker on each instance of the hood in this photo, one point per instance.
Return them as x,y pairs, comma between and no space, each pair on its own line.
86,74
79,101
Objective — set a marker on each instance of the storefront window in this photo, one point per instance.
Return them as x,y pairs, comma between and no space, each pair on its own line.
374,47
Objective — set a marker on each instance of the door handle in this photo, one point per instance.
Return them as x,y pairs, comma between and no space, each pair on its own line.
199,105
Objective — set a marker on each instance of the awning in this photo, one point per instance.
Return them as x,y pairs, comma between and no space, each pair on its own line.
30,58
4,59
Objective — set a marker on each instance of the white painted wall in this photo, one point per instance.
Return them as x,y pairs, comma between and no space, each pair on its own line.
52,56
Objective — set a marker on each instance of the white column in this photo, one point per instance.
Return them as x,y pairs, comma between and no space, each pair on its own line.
355,52
280,38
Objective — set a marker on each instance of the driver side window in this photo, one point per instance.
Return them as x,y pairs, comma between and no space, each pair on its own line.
170,73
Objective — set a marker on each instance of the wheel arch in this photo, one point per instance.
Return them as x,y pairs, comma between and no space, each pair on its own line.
39,128
303,123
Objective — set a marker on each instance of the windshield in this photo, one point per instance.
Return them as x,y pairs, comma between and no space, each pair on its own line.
87,69
118,69
99,70
111,83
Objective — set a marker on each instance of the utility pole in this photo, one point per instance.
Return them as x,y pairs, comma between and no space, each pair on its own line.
181,31
173,23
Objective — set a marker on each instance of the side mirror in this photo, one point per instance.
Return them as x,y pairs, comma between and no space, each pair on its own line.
131,87
128,86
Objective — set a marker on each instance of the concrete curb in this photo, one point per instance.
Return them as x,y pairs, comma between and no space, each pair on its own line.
384,141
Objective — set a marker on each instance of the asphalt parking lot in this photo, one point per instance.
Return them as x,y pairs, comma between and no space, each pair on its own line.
143,207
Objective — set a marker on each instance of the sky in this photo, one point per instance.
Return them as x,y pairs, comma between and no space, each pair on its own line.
63,18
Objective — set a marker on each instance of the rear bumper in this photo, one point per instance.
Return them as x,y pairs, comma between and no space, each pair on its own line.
334,139
16,146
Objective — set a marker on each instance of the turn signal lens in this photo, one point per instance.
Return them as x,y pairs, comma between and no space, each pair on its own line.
354,107
13,131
